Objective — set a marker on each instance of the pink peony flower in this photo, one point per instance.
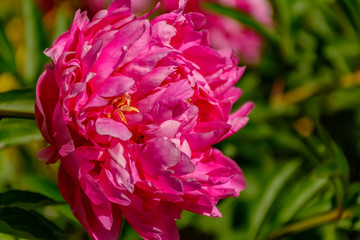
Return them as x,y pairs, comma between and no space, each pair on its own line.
132,107
228,33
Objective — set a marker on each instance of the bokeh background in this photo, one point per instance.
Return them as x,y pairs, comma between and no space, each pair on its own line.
300,152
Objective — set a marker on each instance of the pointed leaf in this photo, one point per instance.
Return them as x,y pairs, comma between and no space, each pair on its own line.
269,195
297,199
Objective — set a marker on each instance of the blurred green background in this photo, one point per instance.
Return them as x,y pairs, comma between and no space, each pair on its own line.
300,152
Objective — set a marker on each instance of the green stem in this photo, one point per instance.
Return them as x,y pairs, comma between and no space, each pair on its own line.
332,216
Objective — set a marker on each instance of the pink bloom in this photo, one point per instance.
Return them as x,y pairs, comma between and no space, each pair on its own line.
132,107
228,33
92,6
141,6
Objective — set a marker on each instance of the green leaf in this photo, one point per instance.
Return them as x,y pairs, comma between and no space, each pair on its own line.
353,194
26,224
337,165
244,19
271,191
18,103
7,55
299,197
222,227
24,199
32,42
284,20
15,131
342,162
354,11
320,206
43,186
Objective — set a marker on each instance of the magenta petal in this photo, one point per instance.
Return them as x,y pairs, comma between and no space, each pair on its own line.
81,208
121,176
163,154
184,166
117,153
208,134
46,100
60,130
96,101
116,4
198,202
152,224
90,57
153,79
239,119
114,194
115,86
99,203
106,126
64,42
166,129
48,154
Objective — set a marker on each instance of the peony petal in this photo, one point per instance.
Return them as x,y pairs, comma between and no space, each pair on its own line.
116,4
115,86
239,119
106,126
152,224
81,208
208,134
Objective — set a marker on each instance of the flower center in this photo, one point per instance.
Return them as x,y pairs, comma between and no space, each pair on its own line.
121,105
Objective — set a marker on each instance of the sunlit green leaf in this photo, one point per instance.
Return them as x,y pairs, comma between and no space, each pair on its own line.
17,103
32,42
43,186
15,131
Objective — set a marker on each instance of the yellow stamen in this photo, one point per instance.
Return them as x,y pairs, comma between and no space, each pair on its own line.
121,115
122,105
127,108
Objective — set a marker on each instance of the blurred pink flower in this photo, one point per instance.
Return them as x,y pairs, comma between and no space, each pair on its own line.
132,108
91,6
142,6
228,33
